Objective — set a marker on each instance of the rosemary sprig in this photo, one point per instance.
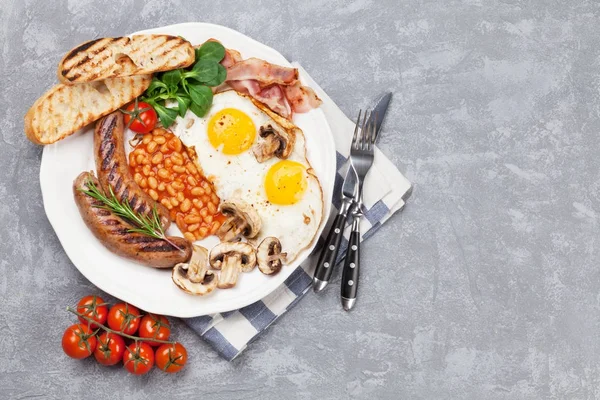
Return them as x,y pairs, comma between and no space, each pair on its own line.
144,224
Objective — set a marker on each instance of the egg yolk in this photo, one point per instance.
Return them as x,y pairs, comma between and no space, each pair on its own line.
285,182
232,129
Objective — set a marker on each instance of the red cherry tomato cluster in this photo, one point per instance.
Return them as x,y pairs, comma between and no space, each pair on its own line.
110,344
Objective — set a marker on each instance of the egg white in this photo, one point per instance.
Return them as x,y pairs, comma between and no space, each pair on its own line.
242,176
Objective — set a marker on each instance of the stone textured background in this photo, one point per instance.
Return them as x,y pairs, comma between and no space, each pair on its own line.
486,286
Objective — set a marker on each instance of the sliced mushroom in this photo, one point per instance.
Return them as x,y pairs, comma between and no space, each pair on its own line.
269,256
277,143
232,258
194,277
242,219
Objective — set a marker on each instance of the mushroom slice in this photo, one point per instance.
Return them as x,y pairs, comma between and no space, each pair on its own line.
194,277
269,255
242,219
232,258
277,142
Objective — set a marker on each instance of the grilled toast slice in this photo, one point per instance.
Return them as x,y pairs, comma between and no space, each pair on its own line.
123,56
64,109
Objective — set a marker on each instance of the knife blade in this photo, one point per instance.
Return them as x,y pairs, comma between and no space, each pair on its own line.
379,112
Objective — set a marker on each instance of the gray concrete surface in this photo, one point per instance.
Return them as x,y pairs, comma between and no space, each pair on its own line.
487,286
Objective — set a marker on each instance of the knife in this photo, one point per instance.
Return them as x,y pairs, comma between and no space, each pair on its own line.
350,272
334,238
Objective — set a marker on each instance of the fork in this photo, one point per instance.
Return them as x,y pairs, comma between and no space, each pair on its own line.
361,160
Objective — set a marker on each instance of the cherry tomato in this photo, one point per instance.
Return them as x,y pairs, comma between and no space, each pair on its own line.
124,318
110,348
140,117
92,307
171,357
138,358
78,341
155,327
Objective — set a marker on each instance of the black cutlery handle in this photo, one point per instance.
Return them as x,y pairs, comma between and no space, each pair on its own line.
351,271
330,250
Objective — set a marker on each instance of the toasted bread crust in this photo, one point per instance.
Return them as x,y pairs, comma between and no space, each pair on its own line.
123,56
64,109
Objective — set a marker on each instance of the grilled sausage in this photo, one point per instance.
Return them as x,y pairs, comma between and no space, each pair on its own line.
114,232
113,171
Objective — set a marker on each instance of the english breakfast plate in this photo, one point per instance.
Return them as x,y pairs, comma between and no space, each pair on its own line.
152,289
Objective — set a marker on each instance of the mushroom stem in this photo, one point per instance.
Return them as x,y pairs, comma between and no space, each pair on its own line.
229,271
232,229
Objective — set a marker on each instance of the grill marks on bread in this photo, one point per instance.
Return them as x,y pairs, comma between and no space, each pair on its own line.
123,56
64,109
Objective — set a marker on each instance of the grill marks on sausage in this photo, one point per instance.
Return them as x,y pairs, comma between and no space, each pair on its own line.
111,163
115,232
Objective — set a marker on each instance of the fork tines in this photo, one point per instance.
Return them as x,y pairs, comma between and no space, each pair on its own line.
365,138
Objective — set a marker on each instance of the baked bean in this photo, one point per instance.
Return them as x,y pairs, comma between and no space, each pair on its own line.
178,185
175,144
197,191
205,199
153,194
168,163
192,218
151,147
212,208
203,232
161,187
165,202
164,174
147,138
164,148
207,189
139,158
180,221
174,202
179,169
214,198
213,228
160,140
144,183
204,212
198,203
157,158
170,190
180,196
153,182
139,151
186,205
209,218
137,178
191,168
193,227
146,170
189,236
177,158
191,180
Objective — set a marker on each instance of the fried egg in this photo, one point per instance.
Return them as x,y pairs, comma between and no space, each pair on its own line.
286,194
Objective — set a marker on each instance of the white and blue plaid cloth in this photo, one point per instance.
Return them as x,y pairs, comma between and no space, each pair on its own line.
384,193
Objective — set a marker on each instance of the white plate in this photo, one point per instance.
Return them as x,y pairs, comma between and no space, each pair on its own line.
151,289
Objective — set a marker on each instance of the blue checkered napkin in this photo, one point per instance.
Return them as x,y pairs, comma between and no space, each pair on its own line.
384,193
